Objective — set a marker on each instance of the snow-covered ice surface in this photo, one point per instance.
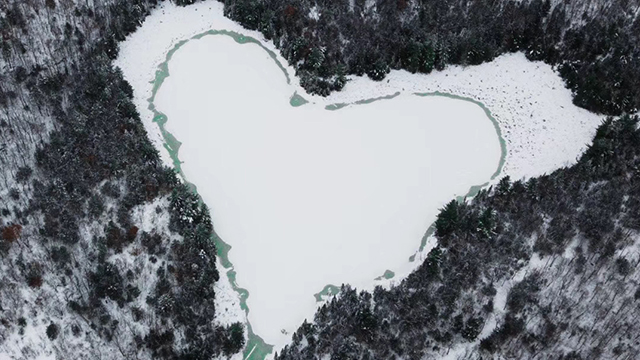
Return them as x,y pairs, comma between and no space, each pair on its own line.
542,128
306,196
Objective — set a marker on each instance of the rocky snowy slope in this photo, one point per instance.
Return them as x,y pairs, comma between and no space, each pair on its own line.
543,268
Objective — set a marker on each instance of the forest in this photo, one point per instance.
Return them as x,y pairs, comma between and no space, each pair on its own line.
582,293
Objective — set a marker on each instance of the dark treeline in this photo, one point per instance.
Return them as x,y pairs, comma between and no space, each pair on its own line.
594,43
95,168
579,304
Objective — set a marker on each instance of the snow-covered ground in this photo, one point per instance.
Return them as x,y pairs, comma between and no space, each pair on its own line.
224,115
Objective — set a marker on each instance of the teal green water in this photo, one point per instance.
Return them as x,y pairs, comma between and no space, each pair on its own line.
256,348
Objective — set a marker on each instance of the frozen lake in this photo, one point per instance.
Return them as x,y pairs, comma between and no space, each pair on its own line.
306,196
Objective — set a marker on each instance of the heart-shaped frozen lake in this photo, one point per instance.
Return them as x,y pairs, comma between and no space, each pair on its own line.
306,196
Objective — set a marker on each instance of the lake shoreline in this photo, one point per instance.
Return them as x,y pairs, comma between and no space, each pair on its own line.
533,148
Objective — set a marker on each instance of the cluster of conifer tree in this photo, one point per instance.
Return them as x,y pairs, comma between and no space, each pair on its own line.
594,43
